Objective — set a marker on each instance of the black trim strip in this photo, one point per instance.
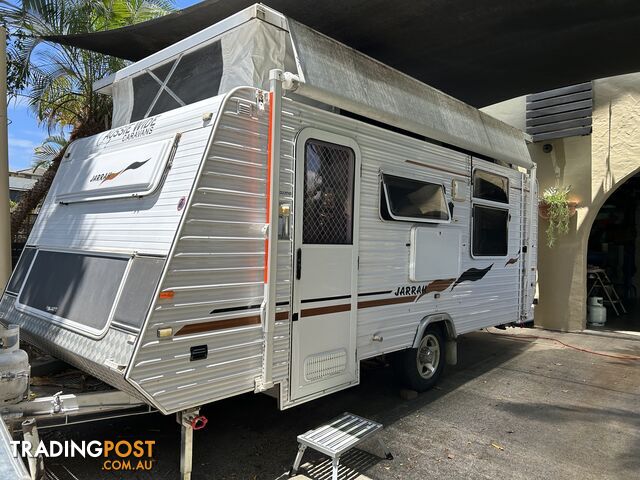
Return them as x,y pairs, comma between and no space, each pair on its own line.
325,299
386,292
234,309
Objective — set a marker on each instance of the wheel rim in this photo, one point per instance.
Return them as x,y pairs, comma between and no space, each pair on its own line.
428,357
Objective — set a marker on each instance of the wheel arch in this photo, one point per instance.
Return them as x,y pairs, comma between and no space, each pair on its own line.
445,318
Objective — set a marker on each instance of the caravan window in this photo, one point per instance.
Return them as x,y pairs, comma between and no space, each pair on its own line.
489,186
328,193
76,288
137,292
191,77
21,270
412,200
490,222
490,231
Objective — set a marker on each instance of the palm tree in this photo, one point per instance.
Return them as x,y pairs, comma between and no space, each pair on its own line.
48,150
59,79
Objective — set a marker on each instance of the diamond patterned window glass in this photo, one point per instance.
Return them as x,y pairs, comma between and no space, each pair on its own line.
328,194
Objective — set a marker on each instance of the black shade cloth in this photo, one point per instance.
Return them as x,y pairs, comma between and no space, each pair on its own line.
481,52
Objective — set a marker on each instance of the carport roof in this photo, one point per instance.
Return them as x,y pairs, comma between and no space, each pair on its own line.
479,52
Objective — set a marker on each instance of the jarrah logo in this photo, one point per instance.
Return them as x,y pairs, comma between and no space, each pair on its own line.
122,455
107,176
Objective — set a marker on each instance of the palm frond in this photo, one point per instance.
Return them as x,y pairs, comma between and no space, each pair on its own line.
44,154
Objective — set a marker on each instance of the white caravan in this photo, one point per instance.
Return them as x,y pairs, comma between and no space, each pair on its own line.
269,209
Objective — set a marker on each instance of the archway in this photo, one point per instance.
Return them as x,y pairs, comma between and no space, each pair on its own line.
613,257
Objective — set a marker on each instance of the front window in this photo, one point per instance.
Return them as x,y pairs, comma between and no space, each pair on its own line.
74,288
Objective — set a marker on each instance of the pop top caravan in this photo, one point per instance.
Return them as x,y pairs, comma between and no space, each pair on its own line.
269,208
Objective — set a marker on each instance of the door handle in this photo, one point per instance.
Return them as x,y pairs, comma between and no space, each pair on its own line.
299,264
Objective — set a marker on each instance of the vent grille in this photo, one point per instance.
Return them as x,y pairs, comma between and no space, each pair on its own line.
563,112
326,364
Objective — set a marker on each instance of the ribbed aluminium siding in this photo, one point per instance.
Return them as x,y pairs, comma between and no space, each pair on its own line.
384,250
217,272
128,225
145,225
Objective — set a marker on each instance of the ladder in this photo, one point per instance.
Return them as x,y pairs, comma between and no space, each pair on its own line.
602,282
335,438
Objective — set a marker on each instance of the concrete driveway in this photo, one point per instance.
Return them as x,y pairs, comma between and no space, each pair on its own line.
513,408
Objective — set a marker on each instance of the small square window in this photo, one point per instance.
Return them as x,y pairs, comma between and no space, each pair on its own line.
489,186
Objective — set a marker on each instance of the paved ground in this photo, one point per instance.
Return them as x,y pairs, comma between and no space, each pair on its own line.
513,408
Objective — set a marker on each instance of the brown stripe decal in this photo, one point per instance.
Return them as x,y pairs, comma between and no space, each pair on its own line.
218,325
282,316
436,286
385,301
312,312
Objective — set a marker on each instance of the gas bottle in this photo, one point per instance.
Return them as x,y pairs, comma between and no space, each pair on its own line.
597,312
14,366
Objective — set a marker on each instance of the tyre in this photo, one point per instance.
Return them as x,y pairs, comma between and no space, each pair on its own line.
420,368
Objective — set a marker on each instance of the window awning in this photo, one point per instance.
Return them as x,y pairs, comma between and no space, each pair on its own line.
479,52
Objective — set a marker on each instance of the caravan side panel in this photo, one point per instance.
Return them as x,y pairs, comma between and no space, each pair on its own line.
216,275
126,227
389,304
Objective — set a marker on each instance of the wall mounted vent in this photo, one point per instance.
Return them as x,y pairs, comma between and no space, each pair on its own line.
563,112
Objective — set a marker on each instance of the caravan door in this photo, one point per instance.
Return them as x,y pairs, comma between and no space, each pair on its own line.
325,263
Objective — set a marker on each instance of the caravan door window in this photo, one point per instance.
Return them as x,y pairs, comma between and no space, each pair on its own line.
328,193
76,289
412,200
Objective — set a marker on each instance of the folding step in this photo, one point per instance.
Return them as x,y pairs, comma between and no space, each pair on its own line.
336,437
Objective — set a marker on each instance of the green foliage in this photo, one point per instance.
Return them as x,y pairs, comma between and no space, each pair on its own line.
57,80
15,41
48,150
557,204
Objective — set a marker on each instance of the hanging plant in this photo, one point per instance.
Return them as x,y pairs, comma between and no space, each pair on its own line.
556,207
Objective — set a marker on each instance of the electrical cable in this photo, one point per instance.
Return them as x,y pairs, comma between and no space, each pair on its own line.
580,349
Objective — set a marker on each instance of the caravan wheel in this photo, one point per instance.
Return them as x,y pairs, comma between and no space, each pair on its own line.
420,368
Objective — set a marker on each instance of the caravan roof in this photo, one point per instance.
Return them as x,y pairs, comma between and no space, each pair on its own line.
242,49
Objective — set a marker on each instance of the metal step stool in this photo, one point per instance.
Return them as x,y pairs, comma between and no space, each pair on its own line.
337,437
